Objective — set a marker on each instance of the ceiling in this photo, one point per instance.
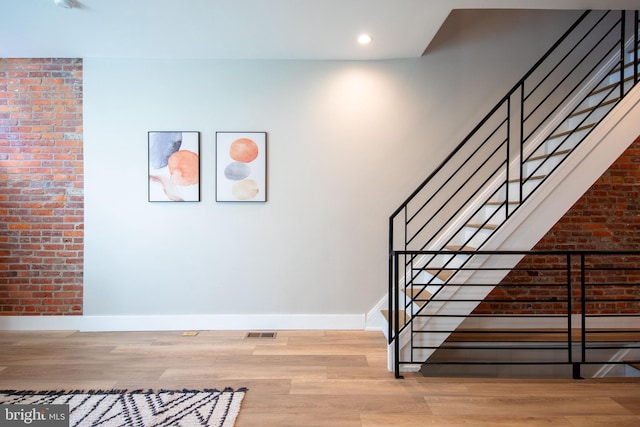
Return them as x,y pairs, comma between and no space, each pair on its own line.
240,29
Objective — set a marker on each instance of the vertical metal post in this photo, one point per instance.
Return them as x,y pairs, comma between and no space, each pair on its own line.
576,365
391,275
396,323
508,161
521,163
583,308
576,372
636,28
569,312
623,31
406,226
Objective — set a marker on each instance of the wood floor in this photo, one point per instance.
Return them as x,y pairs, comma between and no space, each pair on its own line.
307,378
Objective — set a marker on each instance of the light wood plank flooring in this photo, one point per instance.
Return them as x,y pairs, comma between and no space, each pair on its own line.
307,378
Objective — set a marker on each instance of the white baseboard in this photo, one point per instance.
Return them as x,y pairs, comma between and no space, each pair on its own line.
186,322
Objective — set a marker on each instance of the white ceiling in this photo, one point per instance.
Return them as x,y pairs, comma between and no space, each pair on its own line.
260,29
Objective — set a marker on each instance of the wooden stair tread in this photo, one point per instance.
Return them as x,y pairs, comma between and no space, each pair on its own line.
497,203
568,132
610,86
594,107
528,178
486,226
402,313
458,248
418,295
443,275
546,156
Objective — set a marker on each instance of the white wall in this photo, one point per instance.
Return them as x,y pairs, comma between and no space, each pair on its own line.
347,142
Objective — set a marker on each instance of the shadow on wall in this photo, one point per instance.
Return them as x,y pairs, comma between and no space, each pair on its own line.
466,27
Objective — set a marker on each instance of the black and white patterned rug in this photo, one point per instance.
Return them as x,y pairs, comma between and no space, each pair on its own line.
139,408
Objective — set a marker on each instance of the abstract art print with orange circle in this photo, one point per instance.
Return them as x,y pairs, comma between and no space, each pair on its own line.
241,166
174,166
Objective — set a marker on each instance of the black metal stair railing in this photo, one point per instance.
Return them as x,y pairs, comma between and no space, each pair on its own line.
566,313
508,155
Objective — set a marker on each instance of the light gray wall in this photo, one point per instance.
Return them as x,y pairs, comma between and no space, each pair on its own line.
347,142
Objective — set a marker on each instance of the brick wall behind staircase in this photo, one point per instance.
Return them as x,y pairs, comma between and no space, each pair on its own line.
607,217
41,187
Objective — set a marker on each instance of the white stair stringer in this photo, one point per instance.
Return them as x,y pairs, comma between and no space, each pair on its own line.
531,221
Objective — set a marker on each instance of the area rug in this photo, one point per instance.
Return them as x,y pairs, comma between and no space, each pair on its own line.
138,408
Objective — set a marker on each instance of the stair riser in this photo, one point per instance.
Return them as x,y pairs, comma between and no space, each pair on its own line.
496,214
586,118
604,96
615,77
631,57
428,279
514,193
601,97
473,237
542,166
566,142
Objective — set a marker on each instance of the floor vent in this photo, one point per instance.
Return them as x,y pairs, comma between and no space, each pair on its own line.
261,335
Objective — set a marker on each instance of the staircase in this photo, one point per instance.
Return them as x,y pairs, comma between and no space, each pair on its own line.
511,169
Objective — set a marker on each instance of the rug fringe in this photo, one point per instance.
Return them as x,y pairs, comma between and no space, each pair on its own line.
121,391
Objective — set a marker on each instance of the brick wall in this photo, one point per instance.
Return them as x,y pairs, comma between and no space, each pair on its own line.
41,187
607,217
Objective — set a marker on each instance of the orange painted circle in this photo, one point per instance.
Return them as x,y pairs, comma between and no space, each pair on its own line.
183,166
243,150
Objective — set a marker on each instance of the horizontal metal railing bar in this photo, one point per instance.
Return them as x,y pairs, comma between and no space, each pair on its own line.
518,332
522,252
522,335
589,316
510,331
611,268
448,254
519,301
496,347
471,316
491,363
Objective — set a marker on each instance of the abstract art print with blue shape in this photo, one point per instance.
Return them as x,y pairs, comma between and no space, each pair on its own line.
174,166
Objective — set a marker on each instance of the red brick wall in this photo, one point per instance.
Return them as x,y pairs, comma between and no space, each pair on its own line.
41,187
607,217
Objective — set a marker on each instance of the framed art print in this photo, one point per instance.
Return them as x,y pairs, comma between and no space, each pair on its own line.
241,166
174,166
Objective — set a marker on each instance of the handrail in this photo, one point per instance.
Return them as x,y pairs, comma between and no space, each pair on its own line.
574,294
523,139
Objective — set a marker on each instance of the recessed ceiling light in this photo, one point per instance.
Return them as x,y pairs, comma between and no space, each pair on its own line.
66,4
365,39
